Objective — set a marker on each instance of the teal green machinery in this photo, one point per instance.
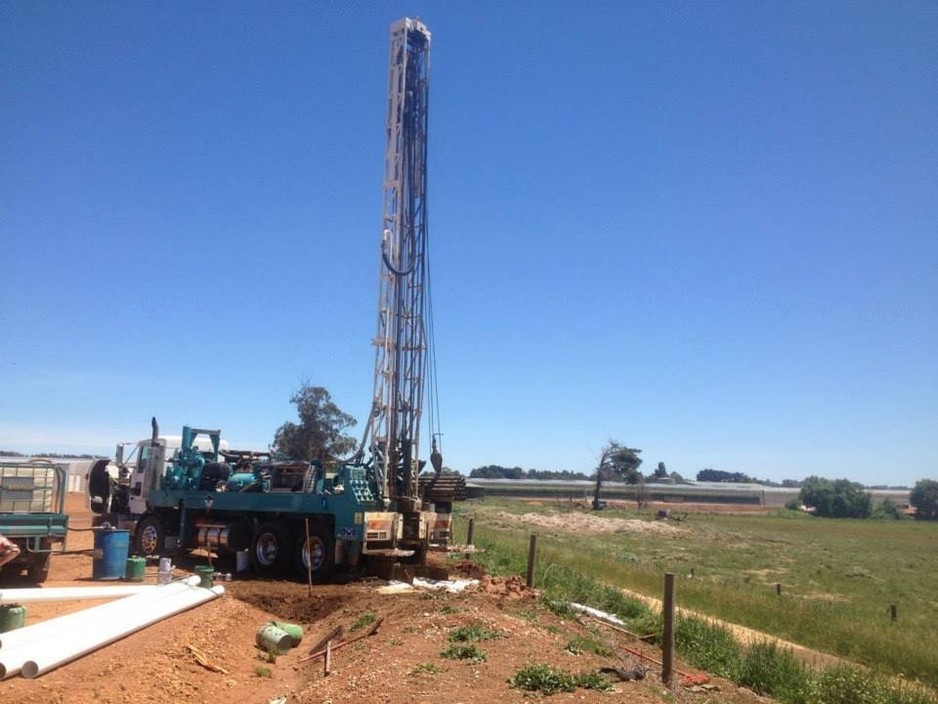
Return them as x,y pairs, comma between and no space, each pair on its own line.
290,516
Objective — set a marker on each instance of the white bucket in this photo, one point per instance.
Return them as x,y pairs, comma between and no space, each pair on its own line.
242,560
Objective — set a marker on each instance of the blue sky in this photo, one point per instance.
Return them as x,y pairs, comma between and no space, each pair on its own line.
706,230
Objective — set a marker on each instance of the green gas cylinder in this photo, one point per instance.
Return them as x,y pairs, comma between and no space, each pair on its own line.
12,616
136,568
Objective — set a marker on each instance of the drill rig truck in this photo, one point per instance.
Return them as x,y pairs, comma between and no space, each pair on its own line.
309,517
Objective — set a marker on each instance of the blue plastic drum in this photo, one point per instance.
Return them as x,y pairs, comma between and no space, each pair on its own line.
110,554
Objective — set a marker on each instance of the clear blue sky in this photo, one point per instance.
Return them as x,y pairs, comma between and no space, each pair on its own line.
706,230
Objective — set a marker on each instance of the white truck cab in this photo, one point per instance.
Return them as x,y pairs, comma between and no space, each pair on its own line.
121,485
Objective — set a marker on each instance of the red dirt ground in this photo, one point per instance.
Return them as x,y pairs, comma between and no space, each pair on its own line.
400,663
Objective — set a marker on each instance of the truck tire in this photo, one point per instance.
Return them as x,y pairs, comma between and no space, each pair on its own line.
320,550
271,548
150,536
99,487
38,570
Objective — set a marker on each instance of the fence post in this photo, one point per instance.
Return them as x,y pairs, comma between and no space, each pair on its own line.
532,560
472,525
893,612
778,588
667,645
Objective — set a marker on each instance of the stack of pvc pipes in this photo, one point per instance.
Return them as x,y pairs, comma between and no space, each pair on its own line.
36,649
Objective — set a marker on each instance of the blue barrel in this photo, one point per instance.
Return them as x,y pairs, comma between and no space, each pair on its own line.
110,554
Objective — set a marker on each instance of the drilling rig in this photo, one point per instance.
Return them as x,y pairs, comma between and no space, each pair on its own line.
190,492
402,373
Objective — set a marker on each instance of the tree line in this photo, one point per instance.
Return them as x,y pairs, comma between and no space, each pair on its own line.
494,471
321,435
842,498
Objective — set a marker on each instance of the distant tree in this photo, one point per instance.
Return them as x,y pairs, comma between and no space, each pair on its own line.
545,474
676,477
494,471
320,434
620,461
888,510
717,475
661,472
924,499
641,492
840,498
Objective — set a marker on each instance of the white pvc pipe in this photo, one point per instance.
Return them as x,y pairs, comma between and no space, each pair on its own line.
29,596
90,615
21,643
59,651
29,640
40,635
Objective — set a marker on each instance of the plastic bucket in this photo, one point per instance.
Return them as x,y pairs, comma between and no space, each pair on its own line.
242,560
291,629
136,568
110,554
165,574
205,573
12,616
273,640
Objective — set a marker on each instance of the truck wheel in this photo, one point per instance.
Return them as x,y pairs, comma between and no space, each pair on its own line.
271,548
38,571
150,536
319,552
99,487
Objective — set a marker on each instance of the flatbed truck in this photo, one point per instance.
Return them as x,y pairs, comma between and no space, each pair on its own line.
32,515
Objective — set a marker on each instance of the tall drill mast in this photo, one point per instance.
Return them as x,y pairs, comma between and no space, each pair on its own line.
401,340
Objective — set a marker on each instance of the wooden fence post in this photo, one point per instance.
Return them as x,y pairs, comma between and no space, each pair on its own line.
532,560
667,645
472,526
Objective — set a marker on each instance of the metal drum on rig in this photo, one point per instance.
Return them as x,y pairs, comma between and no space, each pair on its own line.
110,554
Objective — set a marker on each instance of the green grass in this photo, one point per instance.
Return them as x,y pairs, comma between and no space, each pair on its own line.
583,644
547,680
774,671
472,633
366,619
464,651
838,577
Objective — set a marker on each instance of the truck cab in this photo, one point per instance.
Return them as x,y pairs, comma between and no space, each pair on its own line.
118,488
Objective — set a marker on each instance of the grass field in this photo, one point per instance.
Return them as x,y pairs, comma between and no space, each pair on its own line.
838,578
